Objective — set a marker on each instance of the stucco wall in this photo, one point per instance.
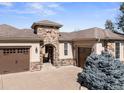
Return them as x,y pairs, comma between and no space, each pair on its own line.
61,51
34,57
98,48
122,51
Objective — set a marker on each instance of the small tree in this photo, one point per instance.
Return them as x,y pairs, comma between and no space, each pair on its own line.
120,22
109,25
102,72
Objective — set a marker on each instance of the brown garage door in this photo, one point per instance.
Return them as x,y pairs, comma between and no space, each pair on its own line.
14,60
82,55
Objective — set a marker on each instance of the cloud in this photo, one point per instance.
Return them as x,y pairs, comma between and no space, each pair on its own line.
44,8
40,8
7,4
54,5
37,6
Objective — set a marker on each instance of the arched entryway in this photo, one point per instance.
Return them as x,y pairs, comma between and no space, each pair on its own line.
49,54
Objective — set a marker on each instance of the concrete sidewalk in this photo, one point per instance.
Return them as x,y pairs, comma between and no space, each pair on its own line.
63,78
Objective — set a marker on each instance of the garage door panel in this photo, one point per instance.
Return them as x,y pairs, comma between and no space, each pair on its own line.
14,60
83,53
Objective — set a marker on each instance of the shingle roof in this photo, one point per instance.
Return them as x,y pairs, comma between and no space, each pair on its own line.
90,34
46,23
65,36
8,32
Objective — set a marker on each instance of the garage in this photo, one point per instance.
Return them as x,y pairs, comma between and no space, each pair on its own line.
83,53
14,59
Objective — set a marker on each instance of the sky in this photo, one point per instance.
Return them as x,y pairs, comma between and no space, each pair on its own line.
72,15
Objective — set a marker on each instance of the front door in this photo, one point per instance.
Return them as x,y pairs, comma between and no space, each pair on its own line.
49,54
82,55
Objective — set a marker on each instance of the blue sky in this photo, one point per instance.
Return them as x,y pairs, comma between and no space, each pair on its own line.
73,16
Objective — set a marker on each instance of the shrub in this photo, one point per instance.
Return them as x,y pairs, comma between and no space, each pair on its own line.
102,72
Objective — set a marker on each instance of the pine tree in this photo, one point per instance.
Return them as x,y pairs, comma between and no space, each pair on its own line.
102,72
120,23
109,25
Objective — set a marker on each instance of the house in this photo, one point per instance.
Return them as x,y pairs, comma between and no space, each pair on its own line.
28,49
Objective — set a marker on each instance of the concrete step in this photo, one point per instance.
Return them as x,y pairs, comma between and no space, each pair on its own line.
47,66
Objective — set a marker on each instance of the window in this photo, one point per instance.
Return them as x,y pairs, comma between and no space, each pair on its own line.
15,50
117,50
36,50
65,48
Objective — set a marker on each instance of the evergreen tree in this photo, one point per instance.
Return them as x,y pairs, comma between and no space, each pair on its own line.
102,72
109,25
120,23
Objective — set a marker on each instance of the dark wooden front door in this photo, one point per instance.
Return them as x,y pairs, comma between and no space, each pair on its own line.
49,50
82,55
14,60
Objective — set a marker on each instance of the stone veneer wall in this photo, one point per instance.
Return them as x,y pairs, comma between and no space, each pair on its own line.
50,36
111,47
35,66
65,62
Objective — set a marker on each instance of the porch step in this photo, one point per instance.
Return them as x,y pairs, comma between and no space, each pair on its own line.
47,66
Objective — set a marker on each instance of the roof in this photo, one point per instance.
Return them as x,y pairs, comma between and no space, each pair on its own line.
46,23
8,32
91,34
65,36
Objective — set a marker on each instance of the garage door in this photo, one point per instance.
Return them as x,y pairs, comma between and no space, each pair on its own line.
83,53
14,60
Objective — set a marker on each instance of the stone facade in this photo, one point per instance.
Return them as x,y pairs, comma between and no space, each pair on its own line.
35,66
111,48
50,36
65,62
49,33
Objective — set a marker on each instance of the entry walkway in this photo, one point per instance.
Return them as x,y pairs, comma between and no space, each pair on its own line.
63,78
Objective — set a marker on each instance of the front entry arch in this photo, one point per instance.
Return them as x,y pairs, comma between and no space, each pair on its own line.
49,54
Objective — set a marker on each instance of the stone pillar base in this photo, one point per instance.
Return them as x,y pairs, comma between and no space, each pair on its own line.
35,66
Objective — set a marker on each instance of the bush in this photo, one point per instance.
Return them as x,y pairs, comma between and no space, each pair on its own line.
102,72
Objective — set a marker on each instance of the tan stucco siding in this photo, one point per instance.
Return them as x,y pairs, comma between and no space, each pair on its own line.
121,51
61,51
34,57
98,48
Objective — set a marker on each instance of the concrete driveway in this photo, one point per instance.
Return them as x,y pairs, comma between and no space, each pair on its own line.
63,78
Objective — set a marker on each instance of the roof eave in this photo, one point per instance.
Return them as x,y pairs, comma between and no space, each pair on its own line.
38,24
20,39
